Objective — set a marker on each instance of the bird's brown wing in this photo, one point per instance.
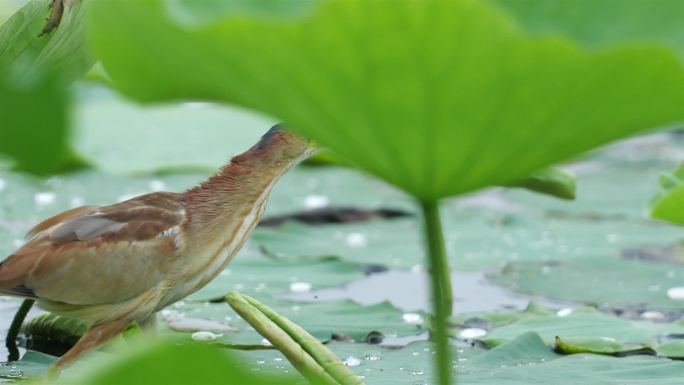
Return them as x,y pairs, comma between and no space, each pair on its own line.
96,255
59,218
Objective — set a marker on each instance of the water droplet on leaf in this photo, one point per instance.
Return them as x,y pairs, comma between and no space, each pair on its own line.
356,240
412,318
182,324
157,185
564,312
300,287
653,315
44,198
351,361
676,293
316,201
471,333
205,336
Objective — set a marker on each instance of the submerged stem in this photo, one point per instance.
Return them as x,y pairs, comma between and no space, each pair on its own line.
441,289
13,332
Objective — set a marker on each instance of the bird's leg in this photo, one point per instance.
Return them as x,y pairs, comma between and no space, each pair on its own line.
93,337
11,340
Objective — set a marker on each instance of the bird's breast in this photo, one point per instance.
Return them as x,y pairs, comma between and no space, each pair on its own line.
203,264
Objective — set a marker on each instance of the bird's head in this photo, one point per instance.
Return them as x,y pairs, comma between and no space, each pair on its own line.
278,148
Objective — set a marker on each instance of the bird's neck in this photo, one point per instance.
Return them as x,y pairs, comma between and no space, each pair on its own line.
219,206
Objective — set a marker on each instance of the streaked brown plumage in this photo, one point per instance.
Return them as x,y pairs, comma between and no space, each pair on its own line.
113,265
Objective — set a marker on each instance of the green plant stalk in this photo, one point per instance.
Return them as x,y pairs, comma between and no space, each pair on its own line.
304,363
324,356
13,332
440,281
244,347
311,358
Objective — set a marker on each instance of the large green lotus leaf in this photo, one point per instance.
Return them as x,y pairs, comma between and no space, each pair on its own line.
522,361
194,13
605,22
601,192
483,231
322,319
390,243
600,345
376,365
575,330
550,181
674,349
134,364
25,55
262,275
438,98
668,205
493,319
10,7
526,359
476,239
31,364
613,282
33,103
36,142
345,317
585,324
166,362
519,362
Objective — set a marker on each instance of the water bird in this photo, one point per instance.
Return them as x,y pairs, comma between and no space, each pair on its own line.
110,266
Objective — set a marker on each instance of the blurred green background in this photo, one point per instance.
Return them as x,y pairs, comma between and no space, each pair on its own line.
599,273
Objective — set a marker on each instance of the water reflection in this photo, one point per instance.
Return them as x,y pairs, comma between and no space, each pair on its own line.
408,290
